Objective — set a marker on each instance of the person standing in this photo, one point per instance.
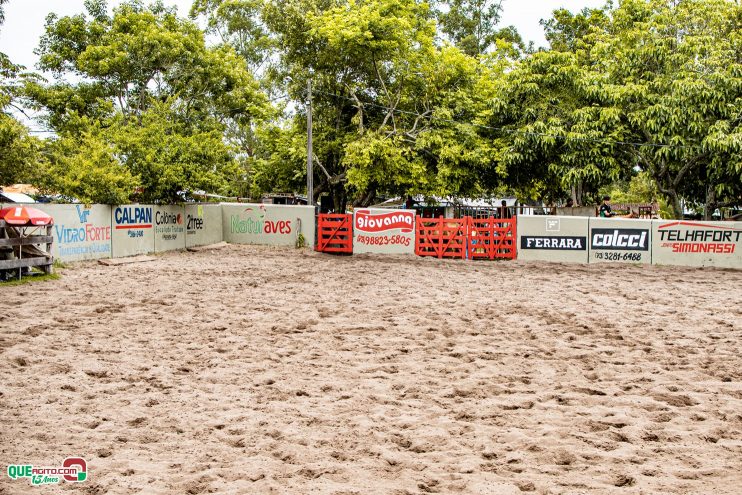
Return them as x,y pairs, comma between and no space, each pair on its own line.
504,210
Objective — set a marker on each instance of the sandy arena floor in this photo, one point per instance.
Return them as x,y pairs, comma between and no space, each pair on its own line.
260,370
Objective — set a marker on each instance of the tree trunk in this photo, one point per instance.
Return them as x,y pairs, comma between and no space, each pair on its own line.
711,204
677,208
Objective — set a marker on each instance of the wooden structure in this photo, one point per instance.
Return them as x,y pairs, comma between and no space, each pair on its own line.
335,233
18,247
473,238
441,237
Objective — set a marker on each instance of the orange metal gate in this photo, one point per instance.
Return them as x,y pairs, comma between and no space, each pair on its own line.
335,233
481,238
491,238
441,237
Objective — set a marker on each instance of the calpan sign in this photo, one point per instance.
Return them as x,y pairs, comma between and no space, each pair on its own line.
384,231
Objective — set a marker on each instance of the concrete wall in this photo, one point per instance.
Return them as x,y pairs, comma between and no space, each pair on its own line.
576,211
550,238
80,232
99,231
170,227
203,224
275,225
620,240
384,231
689,243
132,230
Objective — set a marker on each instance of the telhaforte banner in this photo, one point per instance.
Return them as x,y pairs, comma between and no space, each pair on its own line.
203,224
384,231
274,225
169,227
620,240
547,238
689,243
80,232
132,230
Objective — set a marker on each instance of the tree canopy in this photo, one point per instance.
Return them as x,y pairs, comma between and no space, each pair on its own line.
408,97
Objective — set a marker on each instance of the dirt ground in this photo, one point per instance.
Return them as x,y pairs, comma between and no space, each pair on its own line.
258,370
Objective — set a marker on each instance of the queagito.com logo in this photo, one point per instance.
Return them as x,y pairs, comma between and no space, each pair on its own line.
73,469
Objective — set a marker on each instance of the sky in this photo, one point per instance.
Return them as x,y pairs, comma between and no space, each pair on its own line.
24,20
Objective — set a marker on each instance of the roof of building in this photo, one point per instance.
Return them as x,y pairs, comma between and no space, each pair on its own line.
14,197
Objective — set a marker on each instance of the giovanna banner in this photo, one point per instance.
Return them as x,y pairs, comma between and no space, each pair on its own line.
72,470
384,231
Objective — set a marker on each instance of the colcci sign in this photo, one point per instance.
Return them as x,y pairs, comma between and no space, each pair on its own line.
699,238
369,222
257,224
620,239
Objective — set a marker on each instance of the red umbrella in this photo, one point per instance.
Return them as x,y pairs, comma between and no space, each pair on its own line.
25,215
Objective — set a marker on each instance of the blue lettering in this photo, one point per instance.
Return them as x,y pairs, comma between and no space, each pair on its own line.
133,215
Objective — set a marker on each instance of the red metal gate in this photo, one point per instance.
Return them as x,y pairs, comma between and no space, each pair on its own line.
491,238
335,233
441,237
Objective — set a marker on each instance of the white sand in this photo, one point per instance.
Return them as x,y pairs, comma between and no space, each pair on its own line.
259,370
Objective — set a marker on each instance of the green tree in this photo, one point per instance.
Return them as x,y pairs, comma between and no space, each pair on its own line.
18,150
651,86
85,166
162,102
675,70
472,25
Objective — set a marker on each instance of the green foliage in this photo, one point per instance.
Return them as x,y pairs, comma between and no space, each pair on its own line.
18,152
678,76
157,112
301,242
26,279
640,189
85,167
472,25
644,97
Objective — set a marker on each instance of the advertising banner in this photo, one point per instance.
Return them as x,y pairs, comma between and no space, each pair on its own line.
203,224
132,230
691,243
273,225
620,240
170,227
547,238
80,232
384,231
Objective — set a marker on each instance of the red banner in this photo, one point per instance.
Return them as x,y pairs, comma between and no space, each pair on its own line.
381,222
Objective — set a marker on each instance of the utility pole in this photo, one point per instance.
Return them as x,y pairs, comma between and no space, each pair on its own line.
310,176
